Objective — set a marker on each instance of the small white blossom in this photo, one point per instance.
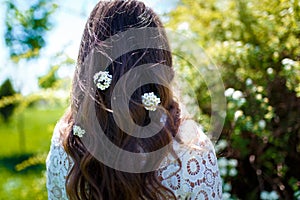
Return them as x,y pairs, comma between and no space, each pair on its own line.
273,195
232,162
297,194
78,131
288,62
237,95
223,171
238,114
150,101
264,195
266,100
227,187
102,80
239,44
249,81
222,144
258,97
287,67
241,101
232,172
222,162
260,89
270,70
226,195
229,92
262,124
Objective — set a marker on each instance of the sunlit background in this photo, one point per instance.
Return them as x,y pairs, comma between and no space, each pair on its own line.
68,24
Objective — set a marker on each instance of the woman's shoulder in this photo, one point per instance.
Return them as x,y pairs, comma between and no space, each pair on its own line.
196,148
61,128
190,143
58,164
194,174
191,136
59,132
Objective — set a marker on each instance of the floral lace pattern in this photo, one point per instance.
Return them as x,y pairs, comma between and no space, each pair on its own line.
58,164
198,177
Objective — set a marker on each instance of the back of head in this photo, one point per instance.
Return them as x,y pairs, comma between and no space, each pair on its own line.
119,38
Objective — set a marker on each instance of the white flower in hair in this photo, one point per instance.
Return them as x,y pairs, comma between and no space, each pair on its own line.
102,79
150,101
78,131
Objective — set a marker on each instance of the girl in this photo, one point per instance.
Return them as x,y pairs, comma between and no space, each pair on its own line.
104,146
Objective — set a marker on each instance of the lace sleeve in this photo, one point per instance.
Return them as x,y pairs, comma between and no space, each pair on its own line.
58,164
198,177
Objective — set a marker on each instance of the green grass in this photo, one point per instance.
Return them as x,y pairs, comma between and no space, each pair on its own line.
27,180
37,126
28,183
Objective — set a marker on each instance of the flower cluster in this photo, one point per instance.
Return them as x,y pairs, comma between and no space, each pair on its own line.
78,131
102,79
150,101
269,195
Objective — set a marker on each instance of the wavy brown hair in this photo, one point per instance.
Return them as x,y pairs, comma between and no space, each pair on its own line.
89,178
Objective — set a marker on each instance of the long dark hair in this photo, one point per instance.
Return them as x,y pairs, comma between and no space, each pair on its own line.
88,177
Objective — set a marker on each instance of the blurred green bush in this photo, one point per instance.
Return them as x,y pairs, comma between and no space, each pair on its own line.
22,160
256,44
7,90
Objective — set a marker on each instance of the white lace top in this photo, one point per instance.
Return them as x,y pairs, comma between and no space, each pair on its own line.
198,177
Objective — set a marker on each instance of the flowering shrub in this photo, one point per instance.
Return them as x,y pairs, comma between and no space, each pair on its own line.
256,45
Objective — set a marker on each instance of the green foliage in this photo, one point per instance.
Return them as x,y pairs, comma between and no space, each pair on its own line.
25,184
25,28
37,129
28,133
6,90
23,173
32,161
49,79
256,43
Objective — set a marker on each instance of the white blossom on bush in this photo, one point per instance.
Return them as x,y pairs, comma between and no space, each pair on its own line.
237,95
229,92
264,195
